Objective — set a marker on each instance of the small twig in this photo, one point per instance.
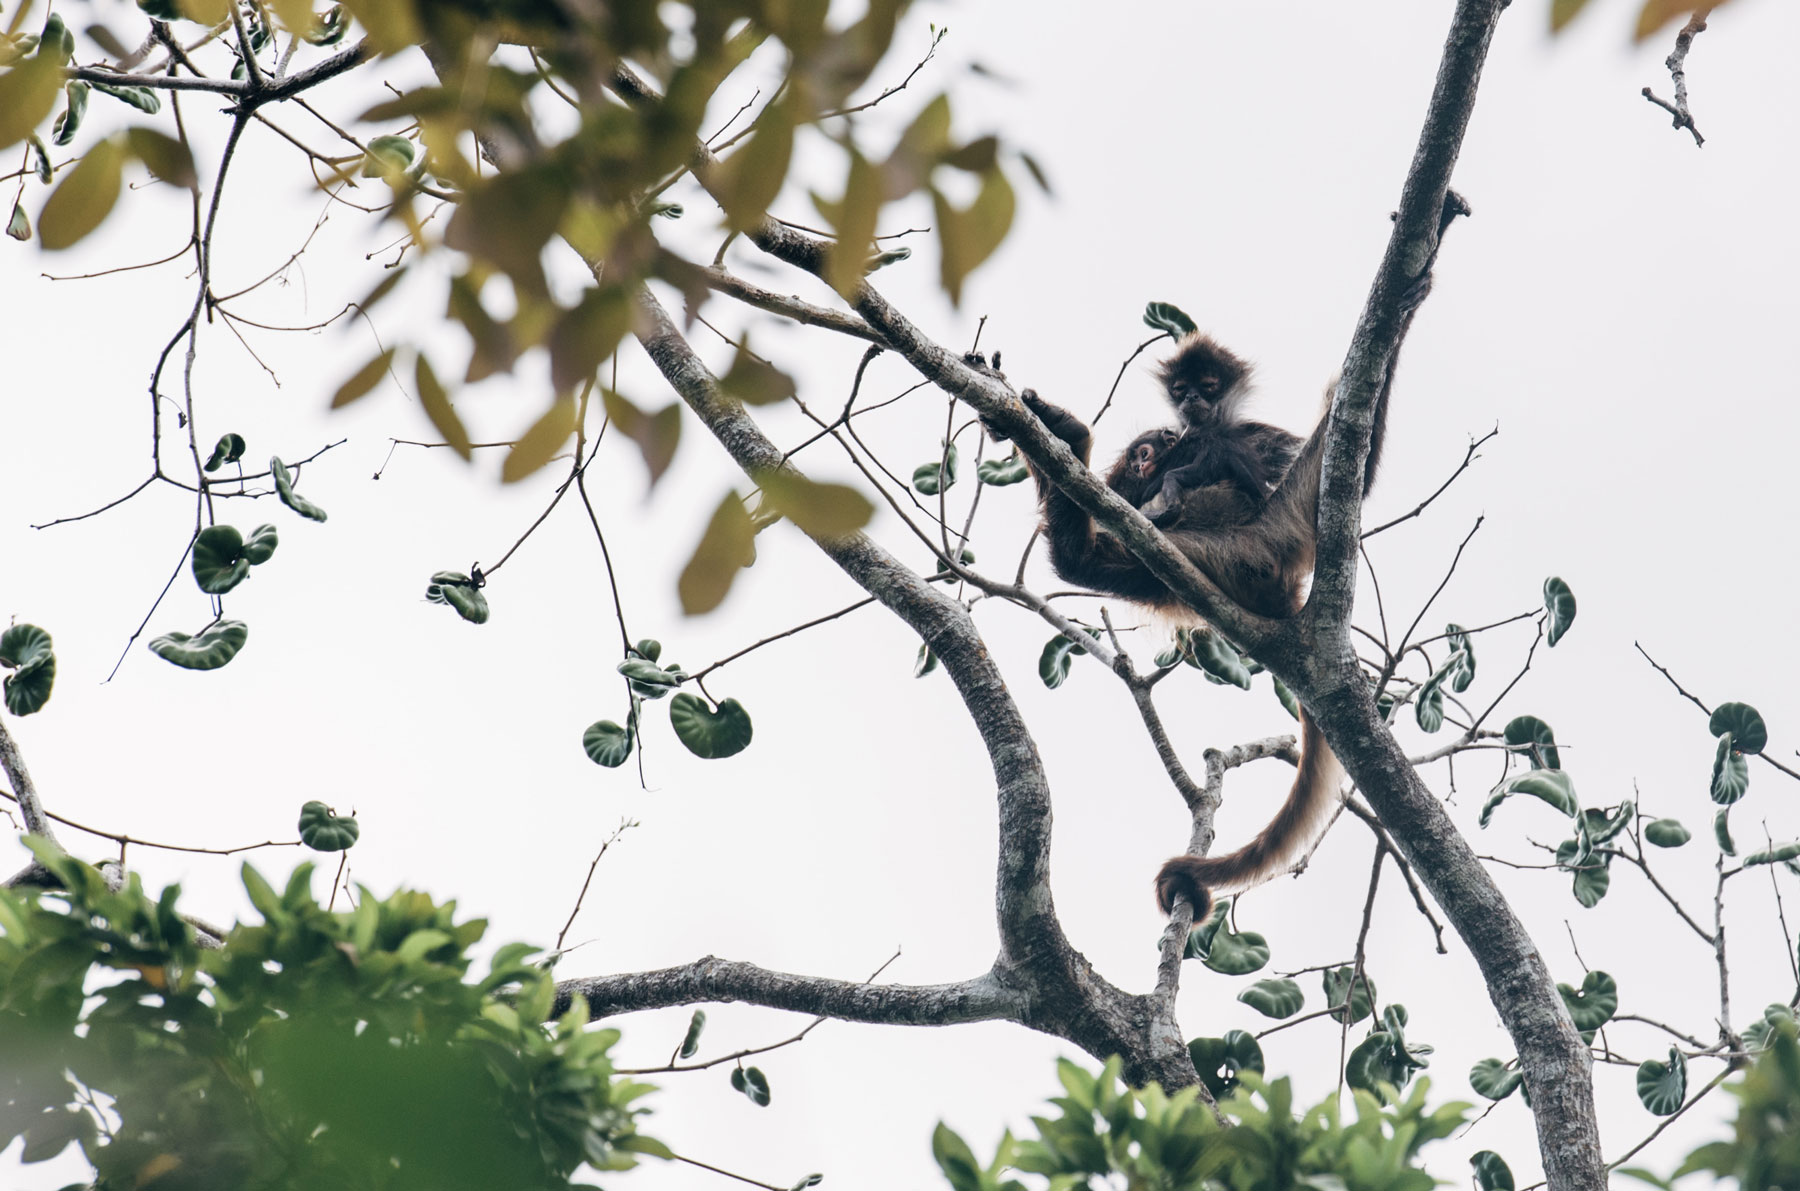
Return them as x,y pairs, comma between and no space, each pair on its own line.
774,637
1681,116
1382,837
1356,970
728,1174
1107,404
1470,457
624,826
1669,1120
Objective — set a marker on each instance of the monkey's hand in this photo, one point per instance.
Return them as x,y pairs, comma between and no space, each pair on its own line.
1163,509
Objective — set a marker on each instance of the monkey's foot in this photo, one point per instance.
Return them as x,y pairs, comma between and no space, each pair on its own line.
979,363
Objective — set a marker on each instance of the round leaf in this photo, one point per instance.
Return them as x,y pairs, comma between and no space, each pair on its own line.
387,155
207,651
1001,472
752,1083
219,563
1663,1086
1666,833
607,743
1337,982
259,547
938,475
1218,1060
1274,998
459,591
324,830
1591,882
284,488
1494,1080
1559,601
1491,1171
649,649
229,449
25,650
1748,732
1163,316
1594,1004
1237,955
709,734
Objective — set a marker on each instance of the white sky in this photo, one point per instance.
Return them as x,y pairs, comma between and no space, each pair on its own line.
1620,305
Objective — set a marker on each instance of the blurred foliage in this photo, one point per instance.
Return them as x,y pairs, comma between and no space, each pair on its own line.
1652,17
1108,1135
314,1050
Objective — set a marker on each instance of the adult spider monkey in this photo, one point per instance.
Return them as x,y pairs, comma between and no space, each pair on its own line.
1240,499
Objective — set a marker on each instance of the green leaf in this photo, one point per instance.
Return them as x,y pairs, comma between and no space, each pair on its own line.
755,381
83,198
954,1158
727,546
142,98
1218,658
163,156
209,650
925,662
968,237
458,591
1337,983
1730,773
938,475
1286,697
1666,833
1164,316
25,649
1460,642
752,1083
1001,472
1533,738
1722,831
1602,826
1594,1004
1773,855
1559,602
707,733
324,830
690,1042
1428,702
1552,785
1491,1171
656,435
436,401
648,648
1218,1060
284,488
1748,732
388,156
606,743
1057,658
1592,880
1663,1086
364,379
1277,998
222,558
27,93
67,124
1758,1035
1494,1080
1237,955
229,449
541,443
19,226
825,511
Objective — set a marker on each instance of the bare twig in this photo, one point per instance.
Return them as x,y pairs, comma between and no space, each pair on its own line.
1681,116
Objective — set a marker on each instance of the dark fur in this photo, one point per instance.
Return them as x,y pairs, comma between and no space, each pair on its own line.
1240,499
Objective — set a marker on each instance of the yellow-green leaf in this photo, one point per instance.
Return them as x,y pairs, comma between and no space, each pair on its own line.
754,381
918,150
492,342
204,12
656,435
1658,13
163,156
392,24
438,408
854,222
968,237
364,379
748,181
296,16
586,335
820,510
538,445
1564,11
727,546
27,93
84,198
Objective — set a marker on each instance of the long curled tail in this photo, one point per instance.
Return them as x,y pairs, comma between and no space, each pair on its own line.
1293,830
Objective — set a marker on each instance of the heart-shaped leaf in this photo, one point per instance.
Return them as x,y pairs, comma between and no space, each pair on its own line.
458,591
752,1083
1237,955
1274,998
1491,1171
1559,602
1337,983
209,650
1218,1060
1759,1034
1748,732
607,743
1494,1080
229,449
1666,833
259,547
1594,1004
324,830
25,650
284,488
649,648
219,563
1663,1086
708,733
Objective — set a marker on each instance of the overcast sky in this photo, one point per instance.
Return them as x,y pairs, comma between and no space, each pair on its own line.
1621,306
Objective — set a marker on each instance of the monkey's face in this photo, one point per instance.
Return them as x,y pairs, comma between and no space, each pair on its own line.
1205,386
1145,456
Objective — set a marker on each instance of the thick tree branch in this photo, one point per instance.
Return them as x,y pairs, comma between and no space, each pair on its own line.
710,979
12,763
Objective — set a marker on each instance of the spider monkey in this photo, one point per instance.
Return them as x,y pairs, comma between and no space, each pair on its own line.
1240,500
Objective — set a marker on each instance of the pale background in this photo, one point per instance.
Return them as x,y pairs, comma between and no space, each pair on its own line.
1621,305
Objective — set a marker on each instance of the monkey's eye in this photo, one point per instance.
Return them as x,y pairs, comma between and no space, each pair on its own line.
1181,390
1144,454
1209,384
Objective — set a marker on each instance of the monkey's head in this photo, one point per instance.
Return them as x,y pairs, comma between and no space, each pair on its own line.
1137,473
1204,380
